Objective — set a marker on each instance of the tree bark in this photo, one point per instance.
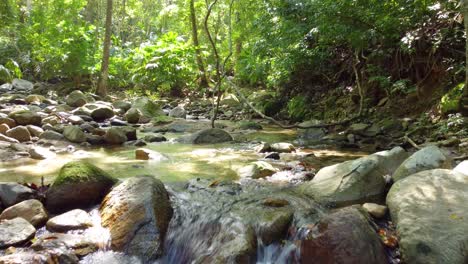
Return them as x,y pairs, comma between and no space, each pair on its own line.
196,43
102,88
464,99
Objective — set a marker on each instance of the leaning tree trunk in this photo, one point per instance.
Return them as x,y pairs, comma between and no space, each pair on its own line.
196,43
464,100
102,85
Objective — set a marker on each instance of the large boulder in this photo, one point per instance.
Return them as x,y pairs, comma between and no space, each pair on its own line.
137,213
31,210
21,85
147,107
133,115
15,231
20,133
428,158
12,193
26,117
207,136
78,185
74,134
102,112
356,181
344,236
115,136
76,99
429,210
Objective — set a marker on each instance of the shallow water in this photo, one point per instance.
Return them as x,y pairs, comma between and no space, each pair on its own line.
184,161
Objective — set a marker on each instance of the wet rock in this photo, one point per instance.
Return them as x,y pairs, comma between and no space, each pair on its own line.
74,134
34,99
123,105
78,185
425,159
8,139
21,85
95,140
282,147
52,120
274,156
75,120
41,257
130,132
271,224
51,135
429,210
312,134
147,154
344,236
102,112
15,231
207,136
76,99
135,143
40,153
80,245
178,112
155,138
72,220
12,193
31,210
26,117
257,170
462,167
20,133
377,211
133,116
137,213
358,128
356,181
35,131
115,136
8,121
147,107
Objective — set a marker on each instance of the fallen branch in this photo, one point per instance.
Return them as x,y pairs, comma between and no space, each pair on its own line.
412,143
276,122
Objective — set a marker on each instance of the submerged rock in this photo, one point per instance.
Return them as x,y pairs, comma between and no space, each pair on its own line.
425,159
429,210
207,136
137,213
31,210
344,236
40,257
15,231
78,185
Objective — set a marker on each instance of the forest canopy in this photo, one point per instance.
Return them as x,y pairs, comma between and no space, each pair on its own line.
294,48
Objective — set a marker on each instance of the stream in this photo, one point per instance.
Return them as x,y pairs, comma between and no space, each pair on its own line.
206,220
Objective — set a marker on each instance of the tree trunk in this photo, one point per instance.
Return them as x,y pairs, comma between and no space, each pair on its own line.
464,99
196,43
102,85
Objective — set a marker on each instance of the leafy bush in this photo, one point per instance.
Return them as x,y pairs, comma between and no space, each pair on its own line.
297,108
449,102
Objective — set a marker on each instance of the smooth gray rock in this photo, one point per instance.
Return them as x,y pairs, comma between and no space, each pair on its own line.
429,210
12,193
428,158
15,231
31,210
71,220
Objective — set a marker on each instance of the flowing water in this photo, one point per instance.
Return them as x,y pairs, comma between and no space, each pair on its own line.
207,221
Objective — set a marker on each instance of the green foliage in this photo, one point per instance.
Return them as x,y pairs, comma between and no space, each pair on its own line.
449,102
297,108
163,65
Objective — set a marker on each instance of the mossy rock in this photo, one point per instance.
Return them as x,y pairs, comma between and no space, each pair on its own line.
78,185
147,107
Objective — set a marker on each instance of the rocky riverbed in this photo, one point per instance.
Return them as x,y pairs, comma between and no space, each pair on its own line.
86,180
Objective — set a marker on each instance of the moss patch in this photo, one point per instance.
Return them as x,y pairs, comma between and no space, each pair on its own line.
80,171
